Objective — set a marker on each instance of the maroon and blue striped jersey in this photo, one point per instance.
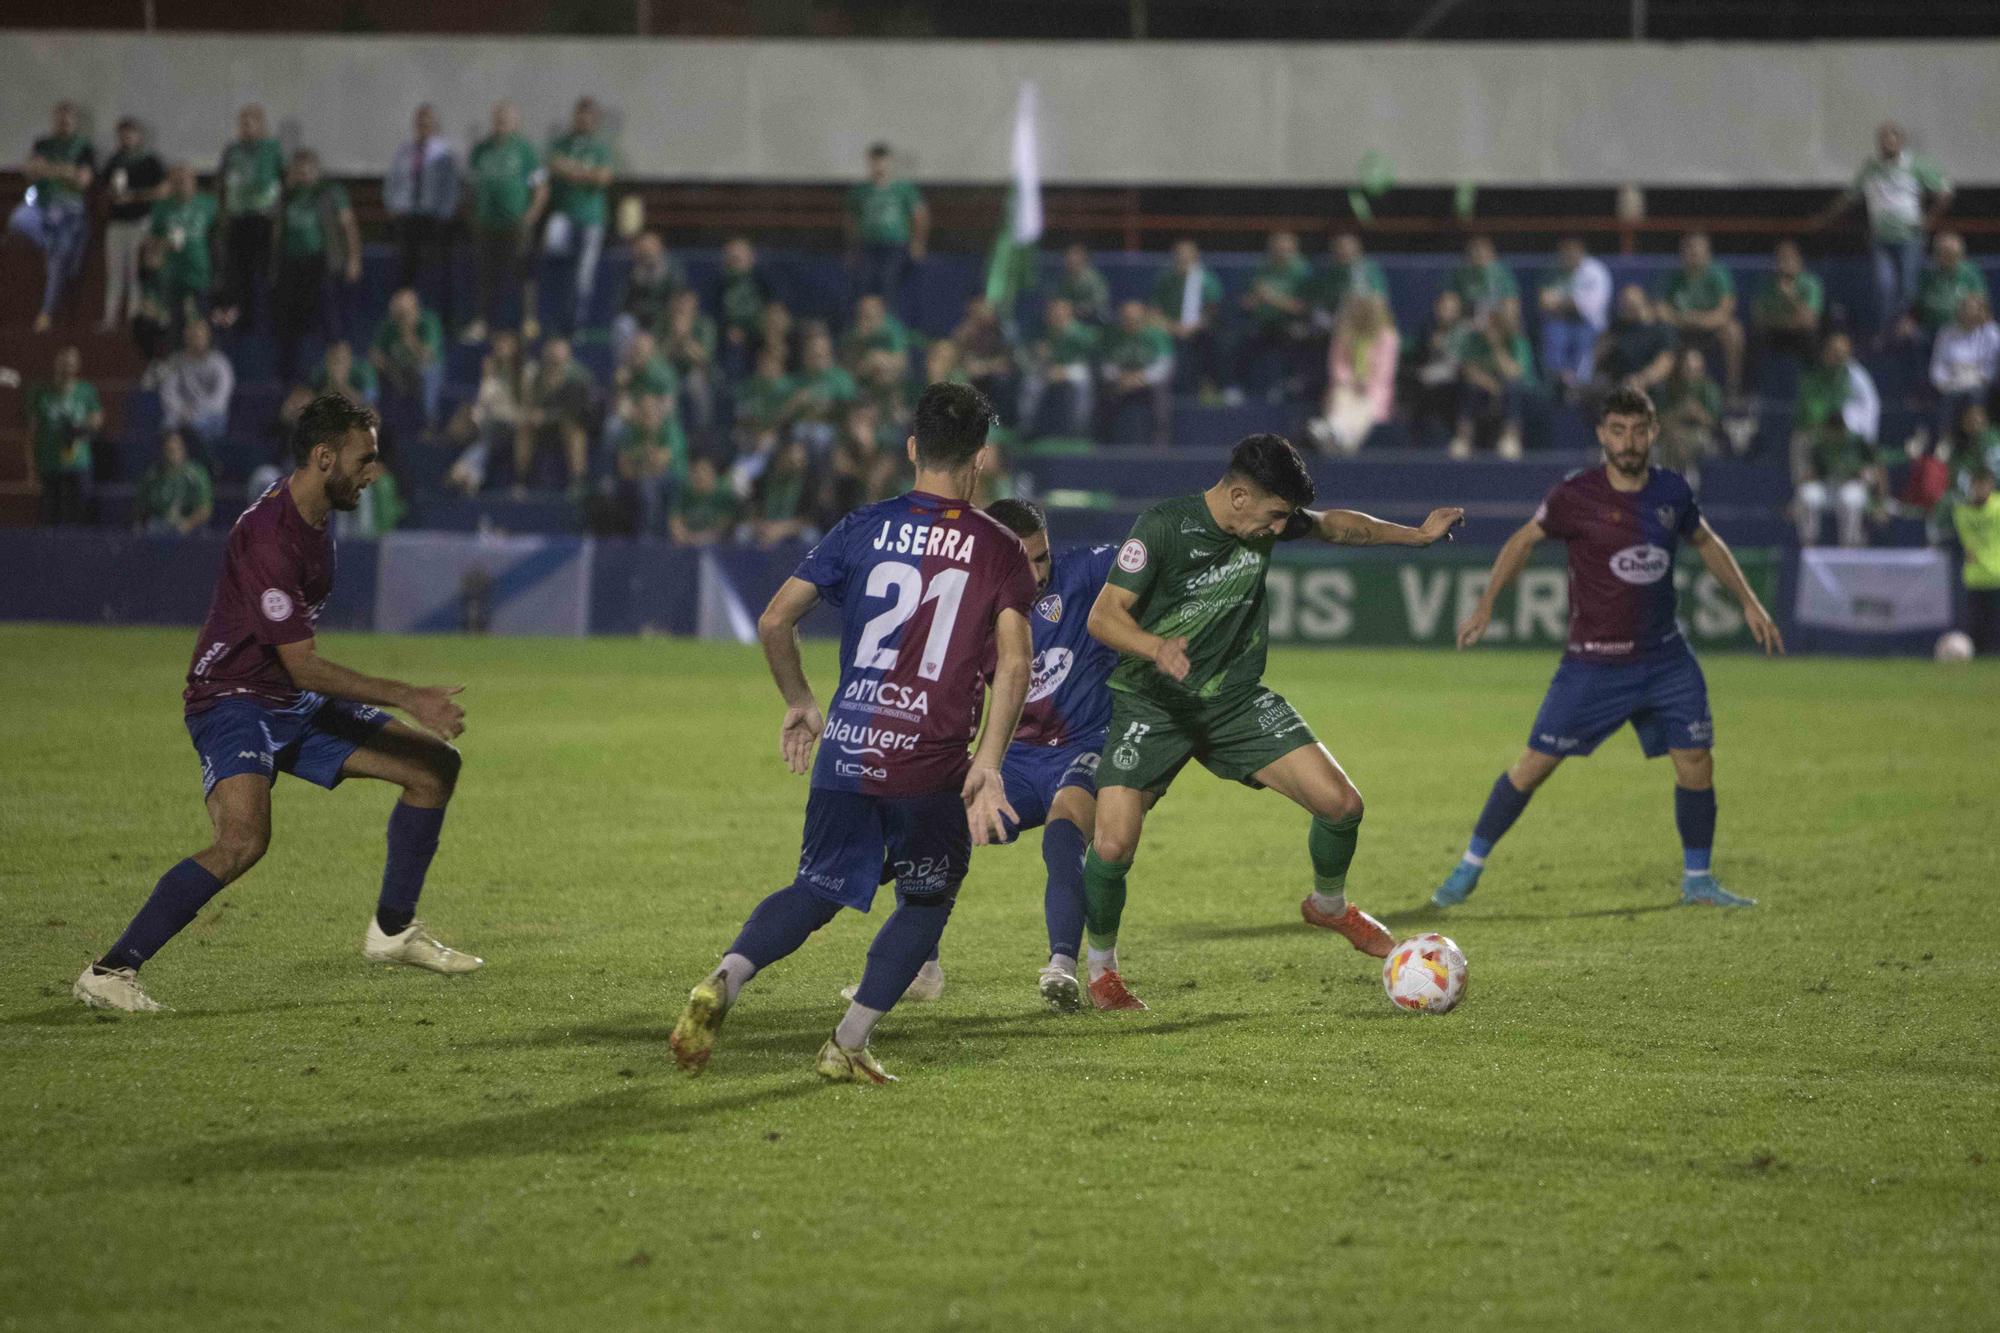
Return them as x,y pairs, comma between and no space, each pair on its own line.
920,581
1621,560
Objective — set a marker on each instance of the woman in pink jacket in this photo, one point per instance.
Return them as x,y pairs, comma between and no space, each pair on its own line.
1361,378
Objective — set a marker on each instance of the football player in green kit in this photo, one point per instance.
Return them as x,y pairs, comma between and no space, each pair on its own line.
1184,607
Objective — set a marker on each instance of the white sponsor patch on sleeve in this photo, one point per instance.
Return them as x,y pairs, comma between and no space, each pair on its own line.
1132,556
276,604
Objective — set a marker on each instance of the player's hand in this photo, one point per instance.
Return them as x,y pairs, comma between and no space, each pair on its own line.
1438,526
1172,659
986,807
1765,631
436,711
1473,627
801,728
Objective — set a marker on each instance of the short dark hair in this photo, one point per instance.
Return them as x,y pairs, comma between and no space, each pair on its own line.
1626,401
951,425
1272,465
880,148
1023,518
326,420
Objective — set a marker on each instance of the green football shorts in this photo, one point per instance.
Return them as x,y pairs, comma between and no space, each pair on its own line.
1233,737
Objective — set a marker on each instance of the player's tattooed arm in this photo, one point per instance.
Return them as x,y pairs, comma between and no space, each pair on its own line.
432,707
1721,562
1507,566
1113,625
778,632
1351,527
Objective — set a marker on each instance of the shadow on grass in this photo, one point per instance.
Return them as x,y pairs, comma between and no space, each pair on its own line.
69,1013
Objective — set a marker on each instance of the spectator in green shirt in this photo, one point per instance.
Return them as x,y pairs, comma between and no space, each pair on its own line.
319,258
705,511
178,238
875,332
1893,185
1698,301
59,169
580,167
1946,281
864,466
652,460
1348,272
761,401
1690,409
250,180
888,227
1482,281
1975,518
175,496
741,293
640,374
1785,314
781,501
688,343
63,416
1080,284
986,354
1496,373
1429,368
1834,459
339,371
408,352
652,282
1637,351
558,407
820,394
1187,299
1276,306
1136,369
509,191
1056,400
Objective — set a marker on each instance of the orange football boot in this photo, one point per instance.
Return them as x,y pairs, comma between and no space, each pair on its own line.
1361,930
1107,991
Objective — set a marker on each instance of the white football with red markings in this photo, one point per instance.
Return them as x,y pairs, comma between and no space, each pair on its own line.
1425,973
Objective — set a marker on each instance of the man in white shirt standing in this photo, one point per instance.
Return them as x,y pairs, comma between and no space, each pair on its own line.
421,195
1576,308
1964,360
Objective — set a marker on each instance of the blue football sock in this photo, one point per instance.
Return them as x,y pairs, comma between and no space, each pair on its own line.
413,841
1063,846
1694,815
906,939
782,922
177,898
1504,805
899,903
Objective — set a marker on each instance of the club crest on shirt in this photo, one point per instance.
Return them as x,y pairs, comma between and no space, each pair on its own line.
1666,514
276,604
1050,608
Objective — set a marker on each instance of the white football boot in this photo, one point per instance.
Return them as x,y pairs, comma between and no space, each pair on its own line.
927,985
118,988
1059,987
415,947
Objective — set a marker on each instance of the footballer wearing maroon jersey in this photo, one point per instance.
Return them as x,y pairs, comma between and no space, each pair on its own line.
261,701
1627,659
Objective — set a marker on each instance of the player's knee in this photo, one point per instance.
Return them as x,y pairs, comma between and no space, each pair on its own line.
1339,806
1694,769
1118,846
241,848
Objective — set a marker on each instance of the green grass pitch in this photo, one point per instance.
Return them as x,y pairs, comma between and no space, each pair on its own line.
1642,1116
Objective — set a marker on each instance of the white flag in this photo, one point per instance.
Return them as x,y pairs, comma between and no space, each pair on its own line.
1027,171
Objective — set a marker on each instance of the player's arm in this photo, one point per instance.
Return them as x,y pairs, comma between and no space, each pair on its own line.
985,792
432,706
1112,624
778,631
1721,562
1507,567
1351,527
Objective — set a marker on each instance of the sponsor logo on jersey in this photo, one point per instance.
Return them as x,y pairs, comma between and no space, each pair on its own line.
844,769
1050,608
1642,564
924,539
858,739
917,703
276,604
1198,553
207,659
1050,670
1225,571
1132,556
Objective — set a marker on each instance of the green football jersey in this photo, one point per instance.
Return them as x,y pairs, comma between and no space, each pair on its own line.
1193,579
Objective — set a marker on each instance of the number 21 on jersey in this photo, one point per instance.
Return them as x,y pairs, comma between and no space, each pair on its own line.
904,585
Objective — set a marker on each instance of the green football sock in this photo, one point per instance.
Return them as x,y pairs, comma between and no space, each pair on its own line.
1103,899
1332,847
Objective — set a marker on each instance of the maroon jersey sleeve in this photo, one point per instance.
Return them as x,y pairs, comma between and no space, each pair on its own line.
1557,515
270,580
1017,583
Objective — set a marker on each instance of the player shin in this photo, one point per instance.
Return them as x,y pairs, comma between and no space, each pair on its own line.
1184,607
1627,659
261,701
930,589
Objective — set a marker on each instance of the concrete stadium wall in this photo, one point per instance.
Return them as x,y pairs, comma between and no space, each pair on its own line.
1236,114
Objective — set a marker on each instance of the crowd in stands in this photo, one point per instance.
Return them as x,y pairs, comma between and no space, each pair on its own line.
725,415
